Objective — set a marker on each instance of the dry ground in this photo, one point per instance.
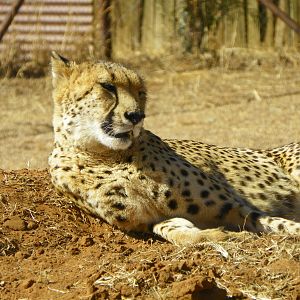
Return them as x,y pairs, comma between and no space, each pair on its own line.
49,250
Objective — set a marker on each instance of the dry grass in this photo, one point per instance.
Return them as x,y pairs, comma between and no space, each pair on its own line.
248,107
253,266
245,108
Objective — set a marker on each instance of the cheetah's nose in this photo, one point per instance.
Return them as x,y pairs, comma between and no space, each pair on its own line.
134,117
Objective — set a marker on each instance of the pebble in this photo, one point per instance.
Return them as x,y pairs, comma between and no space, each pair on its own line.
40,251
86,241
27,283
32,225
15,223
74,251
22,255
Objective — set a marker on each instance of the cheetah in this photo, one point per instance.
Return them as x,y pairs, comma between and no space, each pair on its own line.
183,191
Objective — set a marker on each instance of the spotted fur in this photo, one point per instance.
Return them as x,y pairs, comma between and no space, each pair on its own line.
184,191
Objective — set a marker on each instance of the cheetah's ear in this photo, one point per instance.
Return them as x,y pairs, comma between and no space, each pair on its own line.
60,67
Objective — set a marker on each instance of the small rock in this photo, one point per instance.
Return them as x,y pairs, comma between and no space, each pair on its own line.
22,255
74,239
15,223
32,225
86,241
182,266
2,283
115,296
27,283
90,289
164,277
40,251
254,96
19,255
74,251
102,293
3,199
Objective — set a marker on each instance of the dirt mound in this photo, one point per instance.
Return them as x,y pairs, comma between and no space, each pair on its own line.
51,250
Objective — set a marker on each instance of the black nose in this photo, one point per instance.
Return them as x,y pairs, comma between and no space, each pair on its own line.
134,117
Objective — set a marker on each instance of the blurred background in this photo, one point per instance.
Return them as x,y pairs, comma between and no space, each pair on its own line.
154,28
223,72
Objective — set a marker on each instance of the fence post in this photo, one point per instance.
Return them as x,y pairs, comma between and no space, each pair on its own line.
282,15
9,18
102,29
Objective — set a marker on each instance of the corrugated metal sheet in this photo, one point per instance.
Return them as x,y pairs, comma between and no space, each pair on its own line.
43,25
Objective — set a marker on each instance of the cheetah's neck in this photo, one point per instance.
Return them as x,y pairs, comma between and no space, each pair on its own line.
95,154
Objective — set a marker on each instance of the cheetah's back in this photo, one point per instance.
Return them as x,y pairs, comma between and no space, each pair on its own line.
267,182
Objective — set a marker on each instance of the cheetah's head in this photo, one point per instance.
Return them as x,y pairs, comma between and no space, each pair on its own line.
97,104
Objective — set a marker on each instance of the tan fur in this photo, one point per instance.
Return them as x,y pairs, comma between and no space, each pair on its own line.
181,190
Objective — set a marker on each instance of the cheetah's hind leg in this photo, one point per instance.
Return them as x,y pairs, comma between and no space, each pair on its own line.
277,225
180,231
288,158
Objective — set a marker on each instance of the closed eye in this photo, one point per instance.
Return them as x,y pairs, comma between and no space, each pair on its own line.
142,94
109,87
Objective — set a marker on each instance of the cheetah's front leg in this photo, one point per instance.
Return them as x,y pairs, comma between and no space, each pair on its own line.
180,231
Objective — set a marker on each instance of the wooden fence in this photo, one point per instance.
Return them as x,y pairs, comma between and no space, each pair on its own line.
156,27
150,27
